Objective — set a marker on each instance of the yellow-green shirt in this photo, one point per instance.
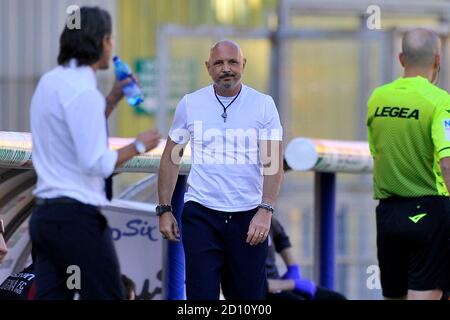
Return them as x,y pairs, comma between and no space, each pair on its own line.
408,124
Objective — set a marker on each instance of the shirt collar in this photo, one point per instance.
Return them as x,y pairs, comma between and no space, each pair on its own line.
87,71
242,89
416,78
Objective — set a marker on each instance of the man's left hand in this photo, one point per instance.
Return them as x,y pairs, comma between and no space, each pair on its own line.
259,227
116,93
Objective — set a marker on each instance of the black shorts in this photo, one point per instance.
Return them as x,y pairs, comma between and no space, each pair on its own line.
413,242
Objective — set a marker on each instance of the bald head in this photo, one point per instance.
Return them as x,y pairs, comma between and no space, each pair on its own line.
226,43
420,47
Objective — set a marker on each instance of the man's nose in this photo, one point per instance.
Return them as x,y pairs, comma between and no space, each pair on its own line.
226,67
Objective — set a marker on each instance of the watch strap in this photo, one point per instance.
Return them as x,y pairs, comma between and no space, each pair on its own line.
163,208
139,146
266,206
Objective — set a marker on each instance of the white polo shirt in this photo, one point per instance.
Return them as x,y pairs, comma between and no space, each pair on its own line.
68,126
226,172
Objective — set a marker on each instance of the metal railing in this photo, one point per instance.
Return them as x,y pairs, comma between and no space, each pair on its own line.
325,157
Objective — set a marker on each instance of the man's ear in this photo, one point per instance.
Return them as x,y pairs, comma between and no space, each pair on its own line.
107,42
437,61
401,58
106,39
244,62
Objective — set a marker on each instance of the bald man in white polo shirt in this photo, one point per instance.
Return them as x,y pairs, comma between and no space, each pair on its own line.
236,173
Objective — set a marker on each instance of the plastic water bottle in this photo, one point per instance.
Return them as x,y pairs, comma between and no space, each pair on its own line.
131,91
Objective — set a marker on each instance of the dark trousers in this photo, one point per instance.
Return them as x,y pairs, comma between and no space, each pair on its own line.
413,254
65,235
217,254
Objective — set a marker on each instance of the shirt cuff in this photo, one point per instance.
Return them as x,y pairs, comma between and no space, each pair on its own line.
109,162
179,136
444,152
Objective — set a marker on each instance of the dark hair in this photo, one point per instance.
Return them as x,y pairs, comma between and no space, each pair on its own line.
86,43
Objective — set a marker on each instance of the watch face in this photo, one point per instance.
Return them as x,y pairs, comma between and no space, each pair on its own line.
159,211
139,146
162,209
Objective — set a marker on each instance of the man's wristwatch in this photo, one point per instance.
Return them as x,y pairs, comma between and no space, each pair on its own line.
139,146
266,206
163,208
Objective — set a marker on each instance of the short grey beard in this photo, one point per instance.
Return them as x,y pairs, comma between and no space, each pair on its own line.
228,86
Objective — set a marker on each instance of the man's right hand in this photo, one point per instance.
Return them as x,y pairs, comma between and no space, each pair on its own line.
168,227
149,138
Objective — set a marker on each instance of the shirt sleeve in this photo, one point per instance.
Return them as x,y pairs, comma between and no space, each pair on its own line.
440,130
272,129
369,126
178,132
85,116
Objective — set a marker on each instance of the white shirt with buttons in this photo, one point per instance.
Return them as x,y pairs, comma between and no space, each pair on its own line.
68,126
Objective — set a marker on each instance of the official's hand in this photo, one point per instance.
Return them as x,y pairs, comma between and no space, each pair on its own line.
259,227
149,138
168,227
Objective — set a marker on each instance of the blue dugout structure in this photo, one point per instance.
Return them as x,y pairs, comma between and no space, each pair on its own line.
325,157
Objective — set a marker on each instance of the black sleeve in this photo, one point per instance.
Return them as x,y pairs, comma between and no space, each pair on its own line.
279,236
17,285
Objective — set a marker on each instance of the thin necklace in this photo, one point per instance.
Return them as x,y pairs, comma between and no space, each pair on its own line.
224,114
